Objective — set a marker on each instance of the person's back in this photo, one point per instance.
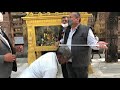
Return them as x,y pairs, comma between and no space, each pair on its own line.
45,66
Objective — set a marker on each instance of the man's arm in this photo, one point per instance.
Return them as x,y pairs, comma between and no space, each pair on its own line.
51,73
91,41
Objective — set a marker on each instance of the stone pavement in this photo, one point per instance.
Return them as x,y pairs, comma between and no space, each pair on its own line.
21,64
101,69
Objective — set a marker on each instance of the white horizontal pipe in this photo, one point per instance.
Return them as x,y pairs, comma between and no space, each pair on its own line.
77,45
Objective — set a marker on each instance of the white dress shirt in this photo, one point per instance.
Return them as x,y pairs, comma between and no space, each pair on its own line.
46,66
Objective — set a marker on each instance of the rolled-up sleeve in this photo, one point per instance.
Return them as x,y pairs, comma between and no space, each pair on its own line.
91,41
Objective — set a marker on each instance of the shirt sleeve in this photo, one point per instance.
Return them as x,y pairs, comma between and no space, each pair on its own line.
91,41
62,41
52,73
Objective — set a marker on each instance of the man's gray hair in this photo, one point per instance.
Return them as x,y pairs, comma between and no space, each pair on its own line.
64,51
76,14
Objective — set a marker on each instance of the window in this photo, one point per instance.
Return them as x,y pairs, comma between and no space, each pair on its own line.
46,35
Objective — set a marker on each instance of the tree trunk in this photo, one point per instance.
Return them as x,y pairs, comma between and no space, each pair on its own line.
111,54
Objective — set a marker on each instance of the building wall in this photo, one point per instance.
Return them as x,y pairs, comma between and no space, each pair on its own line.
6,25
119,33
19,31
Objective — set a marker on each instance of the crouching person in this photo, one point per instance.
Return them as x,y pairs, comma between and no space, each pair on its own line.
48,65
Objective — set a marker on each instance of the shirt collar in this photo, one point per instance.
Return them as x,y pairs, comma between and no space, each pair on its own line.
76,27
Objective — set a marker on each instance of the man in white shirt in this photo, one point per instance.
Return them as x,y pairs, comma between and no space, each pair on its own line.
48,65
80,39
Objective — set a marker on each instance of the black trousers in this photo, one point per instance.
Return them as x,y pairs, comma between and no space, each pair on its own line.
64,71
77,72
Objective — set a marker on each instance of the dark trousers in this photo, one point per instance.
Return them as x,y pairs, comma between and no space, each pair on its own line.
64,71
77,72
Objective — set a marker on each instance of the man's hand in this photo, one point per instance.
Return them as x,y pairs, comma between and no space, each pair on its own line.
19,48
102,45
9,57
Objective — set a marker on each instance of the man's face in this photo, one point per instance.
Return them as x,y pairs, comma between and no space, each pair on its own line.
64,20
1,17
62,59
73,19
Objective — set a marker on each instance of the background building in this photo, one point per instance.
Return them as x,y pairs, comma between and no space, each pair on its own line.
15,28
